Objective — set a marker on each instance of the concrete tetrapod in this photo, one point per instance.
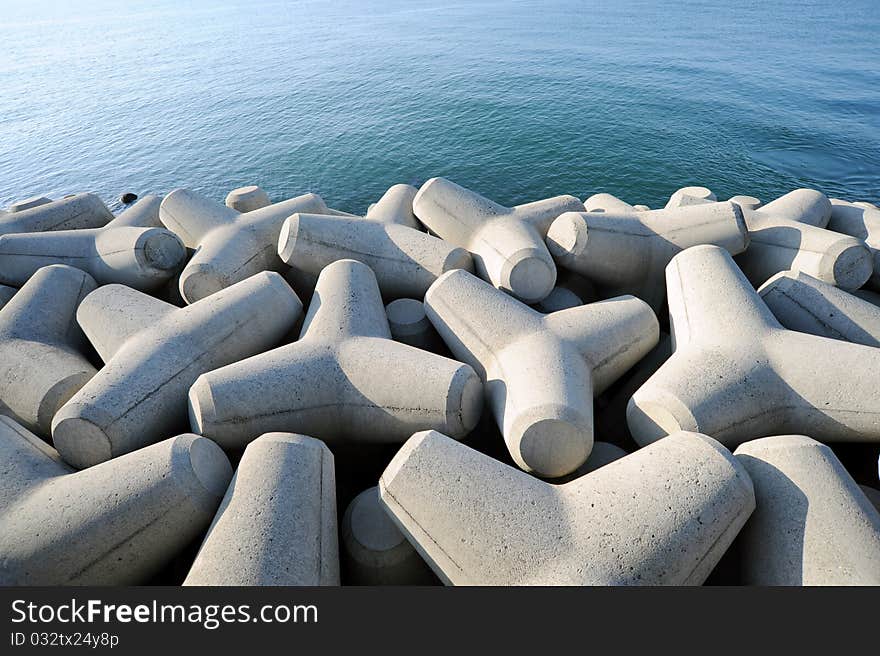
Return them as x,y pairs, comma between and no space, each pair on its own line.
144,258
6,294
344,380
746,202
690,196
789,233
873,496
602,453
661,516
541,371
802,303
41,365
507,242
28,203
409,324
113,524
625,252
277,523
571,290
606,203
154,352
230,246
73,213
247,199
813,525
404,260
862,223
395,206
737,374
374,550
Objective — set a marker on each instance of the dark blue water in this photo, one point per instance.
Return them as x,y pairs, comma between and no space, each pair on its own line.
518,100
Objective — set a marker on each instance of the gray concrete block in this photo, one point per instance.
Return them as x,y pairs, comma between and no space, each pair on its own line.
69,213
396,207
409,324
41,360
737,374
862,223
155,352
247,199
602,453
813,525
663,515
113,524
540,371
404,260
277,523
807,305
28,203
603,202
142,258
374,550
687,196
344,380
746,202
507,242
626,252
6,294
143,214
788,234
230,246
873,495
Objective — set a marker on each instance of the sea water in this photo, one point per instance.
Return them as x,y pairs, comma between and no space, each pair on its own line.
518,100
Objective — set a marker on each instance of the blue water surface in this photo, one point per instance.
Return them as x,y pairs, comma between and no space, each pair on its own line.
515,99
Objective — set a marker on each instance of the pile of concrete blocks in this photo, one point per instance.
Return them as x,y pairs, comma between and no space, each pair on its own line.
443,389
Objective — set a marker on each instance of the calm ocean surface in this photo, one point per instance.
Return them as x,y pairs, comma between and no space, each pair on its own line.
517,100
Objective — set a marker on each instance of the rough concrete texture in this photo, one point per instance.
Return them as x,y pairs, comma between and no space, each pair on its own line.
606,203
404,260
230,246
802,303
873,496
541,371
661,516
142,258
277,523
862,223
344,380
611,414
41,364
143,214
409,324
603,453
813,525
788,234
73,213
396,206
28,203
154,353
867,295
507,243
247,199
6,294
374,551
737,374
571,290
113,524
626,252
690,196
746,202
